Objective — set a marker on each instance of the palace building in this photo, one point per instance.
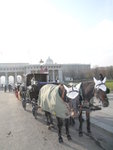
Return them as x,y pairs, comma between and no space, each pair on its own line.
61,72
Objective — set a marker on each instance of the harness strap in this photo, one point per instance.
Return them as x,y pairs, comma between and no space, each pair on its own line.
74,91
100,84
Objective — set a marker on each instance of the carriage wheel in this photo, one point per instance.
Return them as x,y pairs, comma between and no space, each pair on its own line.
24,104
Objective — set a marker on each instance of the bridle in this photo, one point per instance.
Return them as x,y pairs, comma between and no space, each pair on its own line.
100,86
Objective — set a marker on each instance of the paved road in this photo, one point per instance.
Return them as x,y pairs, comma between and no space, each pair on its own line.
104,118
20,131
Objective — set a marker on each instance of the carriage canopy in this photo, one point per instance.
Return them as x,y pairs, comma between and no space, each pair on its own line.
39,77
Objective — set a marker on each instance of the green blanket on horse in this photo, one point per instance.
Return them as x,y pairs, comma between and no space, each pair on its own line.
49,100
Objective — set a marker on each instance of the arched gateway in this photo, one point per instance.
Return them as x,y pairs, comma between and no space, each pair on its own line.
61,72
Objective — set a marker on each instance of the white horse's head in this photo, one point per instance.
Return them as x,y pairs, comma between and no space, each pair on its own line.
100,84
100,91
73,91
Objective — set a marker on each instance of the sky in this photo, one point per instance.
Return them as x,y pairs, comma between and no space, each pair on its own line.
67,31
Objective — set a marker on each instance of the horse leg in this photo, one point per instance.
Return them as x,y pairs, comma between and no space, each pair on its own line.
67,129
80,124
34,107
47,117
50,119
59,124
88,121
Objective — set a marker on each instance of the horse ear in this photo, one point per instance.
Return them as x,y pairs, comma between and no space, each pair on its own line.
95,80
66,88
104,80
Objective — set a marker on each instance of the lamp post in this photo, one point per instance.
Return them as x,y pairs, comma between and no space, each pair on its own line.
41,64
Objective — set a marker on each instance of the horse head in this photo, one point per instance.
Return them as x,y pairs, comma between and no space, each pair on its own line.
100,91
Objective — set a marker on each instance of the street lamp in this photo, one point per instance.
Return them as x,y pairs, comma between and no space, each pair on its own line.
41,64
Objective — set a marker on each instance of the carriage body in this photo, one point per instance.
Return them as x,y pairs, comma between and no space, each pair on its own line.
29,91
39,77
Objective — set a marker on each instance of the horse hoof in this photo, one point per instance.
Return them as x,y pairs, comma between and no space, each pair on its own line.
69,137
60,140
80,134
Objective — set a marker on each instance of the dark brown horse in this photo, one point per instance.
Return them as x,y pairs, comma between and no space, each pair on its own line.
52,100
83,102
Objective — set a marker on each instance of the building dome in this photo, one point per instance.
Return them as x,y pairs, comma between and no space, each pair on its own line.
49,61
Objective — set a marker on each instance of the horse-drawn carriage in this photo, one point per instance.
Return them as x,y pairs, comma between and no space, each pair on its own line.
40,93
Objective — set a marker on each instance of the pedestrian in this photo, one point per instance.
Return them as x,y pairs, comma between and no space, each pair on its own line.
5,88
33,80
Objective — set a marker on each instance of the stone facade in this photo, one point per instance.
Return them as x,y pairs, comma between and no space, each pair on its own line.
55,71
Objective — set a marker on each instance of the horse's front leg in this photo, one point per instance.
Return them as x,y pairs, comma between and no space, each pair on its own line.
34,107
88,121
49,120
47,117
59,124
67,129
80,124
